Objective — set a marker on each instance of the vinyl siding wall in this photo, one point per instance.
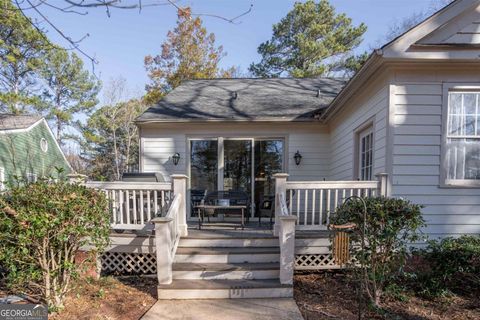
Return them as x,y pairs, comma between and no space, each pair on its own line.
160,141
344,130
417,99
20,153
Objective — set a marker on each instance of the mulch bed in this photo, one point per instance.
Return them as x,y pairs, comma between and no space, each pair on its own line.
107,298
332,296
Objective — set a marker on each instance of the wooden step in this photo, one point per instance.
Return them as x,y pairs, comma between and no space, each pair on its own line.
228,242
232,271
227,255
224,289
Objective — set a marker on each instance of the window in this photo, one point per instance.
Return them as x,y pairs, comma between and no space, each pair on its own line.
462,143
365,154
31,177
44,145
2,179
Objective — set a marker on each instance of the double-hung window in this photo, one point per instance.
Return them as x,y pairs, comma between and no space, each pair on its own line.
462,140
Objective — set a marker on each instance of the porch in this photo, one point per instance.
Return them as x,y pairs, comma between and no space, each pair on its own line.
152,235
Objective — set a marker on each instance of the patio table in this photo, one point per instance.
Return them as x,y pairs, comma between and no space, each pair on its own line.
202,207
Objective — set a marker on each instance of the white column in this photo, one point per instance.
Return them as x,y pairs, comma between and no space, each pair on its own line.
287,248
382,184
280,188
163,249
179,186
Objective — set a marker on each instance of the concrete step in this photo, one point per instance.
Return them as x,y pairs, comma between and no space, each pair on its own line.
224,289
227,255
232,271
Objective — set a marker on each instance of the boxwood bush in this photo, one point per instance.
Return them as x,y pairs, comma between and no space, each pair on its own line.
42,226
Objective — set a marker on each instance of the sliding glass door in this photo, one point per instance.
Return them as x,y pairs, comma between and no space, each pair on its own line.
237,161
268,161
235,164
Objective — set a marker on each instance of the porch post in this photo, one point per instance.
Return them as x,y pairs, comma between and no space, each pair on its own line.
179,186
287,248
162,246
382,184
280,188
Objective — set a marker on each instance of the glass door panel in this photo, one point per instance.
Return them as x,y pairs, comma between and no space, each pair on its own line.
268,161
203,169
237,173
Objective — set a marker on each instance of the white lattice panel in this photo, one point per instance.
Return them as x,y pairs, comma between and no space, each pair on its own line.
128,263
315,262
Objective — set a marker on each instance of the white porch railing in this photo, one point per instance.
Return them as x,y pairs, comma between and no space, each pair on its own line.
314,201
134,204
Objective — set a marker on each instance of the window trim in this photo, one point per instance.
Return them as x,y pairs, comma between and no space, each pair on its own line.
444,182
367,125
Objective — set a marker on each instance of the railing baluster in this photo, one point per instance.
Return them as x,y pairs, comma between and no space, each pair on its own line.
120,200
320,213
149,209
134,209
305,210
313,207
328,206
298,204
155,202
142,217
127,207
335,204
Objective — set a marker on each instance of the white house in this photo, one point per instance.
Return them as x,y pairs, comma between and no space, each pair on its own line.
412,112
406,125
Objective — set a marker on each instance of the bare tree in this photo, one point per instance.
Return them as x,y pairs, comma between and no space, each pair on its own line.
37,9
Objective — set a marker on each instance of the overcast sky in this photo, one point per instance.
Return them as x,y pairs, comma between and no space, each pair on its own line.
121,42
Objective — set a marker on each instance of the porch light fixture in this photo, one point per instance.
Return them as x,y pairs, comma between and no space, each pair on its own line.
176,158
297,157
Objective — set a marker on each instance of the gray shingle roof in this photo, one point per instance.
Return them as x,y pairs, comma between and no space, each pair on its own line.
284,99
10,121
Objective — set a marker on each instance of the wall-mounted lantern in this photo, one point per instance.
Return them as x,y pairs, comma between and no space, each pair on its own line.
176,158
297,157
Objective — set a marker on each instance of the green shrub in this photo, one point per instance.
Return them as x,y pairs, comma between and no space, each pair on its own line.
449,265
390,225
42,225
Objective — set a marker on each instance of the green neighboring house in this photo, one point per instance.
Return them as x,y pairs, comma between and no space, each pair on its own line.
29,151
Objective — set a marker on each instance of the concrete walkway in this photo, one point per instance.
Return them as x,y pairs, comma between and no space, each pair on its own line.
225,309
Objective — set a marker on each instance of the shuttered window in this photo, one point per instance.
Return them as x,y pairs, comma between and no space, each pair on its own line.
463,136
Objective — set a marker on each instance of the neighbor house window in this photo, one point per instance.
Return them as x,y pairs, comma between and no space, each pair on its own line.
2,179
31,177
365,154
462,143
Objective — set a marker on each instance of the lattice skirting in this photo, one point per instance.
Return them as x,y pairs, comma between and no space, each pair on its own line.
315,262
124,263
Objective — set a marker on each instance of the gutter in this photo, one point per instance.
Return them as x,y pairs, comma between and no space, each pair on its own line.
363,75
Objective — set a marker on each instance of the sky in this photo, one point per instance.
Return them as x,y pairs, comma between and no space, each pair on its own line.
120,42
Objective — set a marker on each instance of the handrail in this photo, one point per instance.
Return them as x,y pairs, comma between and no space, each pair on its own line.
129,185
332,184
173,213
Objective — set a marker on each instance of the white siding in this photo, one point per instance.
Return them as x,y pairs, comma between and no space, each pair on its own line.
161,141
345,127
417,152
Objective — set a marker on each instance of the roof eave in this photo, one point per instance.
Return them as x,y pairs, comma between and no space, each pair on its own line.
368,68
140,122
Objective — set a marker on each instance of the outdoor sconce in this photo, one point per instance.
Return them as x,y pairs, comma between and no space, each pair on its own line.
297,157
176,158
